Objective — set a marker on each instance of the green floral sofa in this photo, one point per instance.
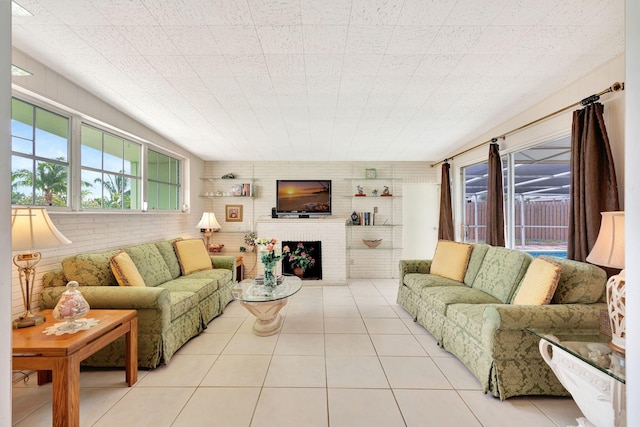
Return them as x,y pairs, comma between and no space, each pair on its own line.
475,320
172,308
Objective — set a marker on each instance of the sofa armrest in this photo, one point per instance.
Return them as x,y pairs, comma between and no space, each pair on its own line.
552,316
225,262
113,297
504,333
152,304
413,266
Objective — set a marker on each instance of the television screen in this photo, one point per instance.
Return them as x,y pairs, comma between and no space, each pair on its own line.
304,197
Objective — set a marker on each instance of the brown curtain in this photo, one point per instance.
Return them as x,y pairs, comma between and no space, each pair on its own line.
594,187
445,226
495,198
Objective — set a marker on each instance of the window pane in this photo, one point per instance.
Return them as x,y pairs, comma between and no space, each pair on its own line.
21,181
175,171
51,184
20,145
91,189
163,196
173,197
112,186
164,168
131,158
135,194
52,135
91,154
475,221
152,195
152,164
21,120
113,152
542,180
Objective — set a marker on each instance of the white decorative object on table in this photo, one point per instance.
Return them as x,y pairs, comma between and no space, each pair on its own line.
63,327
71,306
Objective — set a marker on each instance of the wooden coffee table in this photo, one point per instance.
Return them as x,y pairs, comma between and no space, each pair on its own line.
32,349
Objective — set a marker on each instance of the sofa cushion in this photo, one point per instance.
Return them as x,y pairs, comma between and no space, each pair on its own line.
202,287
501,271
468,317
125,270
478,252
150,263
170,258
192,255
451,259
539,283
580,283
182,302
218,275
92,269
440,298
416,281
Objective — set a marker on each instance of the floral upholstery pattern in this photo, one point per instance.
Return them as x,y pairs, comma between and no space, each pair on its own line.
169,256
580,283
475,262
501,271
490,336
150,263
171,310
90,269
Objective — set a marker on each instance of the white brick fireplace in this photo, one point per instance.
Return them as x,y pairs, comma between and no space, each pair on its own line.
330,231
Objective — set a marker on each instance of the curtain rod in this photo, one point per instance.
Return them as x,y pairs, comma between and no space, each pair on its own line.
616,87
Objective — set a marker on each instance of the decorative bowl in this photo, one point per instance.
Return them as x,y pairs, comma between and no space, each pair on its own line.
372,243
216,247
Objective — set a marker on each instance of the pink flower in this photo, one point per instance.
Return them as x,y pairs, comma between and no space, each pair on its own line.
300,245
286,249
270,247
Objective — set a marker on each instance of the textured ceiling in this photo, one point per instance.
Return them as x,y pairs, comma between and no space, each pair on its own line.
368,80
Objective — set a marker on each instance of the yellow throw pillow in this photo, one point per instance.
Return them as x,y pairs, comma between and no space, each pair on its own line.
539,283
192,255
451,260
125,270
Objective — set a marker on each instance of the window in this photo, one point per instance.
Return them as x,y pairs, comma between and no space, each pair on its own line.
163,181
536,208
110,171
39,156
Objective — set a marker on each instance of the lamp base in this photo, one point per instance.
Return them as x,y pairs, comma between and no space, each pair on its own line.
28,320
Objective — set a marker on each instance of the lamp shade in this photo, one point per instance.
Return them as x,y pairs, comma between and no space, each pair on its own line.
608,250
31,228
208,221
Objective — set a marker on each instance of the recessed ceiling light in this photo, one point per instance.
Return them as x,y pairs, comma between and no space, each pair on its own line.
17,71
17,10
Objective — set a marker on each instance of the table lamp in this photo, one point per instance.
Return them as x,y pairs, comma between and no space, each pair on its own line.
209,224
31,229
608,251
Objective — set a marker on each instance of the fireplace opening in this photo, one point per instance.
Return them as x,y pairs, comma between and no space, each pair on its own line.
312,249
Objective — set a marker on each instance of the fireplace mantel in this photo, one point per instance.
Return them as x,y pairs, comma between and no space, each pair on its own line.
330,231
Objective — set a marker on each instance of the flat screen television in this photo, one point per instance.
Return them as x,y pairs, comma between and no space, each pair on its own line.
303,197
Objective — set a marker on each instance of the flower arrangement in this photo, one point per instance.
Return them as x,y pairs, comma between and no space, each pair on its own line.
250,240
270,251
300,257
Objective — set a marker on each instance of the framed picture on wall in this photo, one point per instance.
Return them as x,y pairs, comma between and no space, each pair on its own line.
233,213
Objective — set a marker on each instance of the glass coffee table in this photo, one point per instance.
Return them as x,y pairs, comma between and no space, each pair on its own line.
590,370
266,306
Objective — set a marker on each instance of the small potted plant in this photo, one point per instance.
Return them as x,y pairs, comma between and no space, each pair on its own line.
300,260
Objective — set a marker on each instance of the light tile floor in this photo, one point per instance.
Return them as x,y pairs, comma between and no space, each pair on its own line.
346,356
